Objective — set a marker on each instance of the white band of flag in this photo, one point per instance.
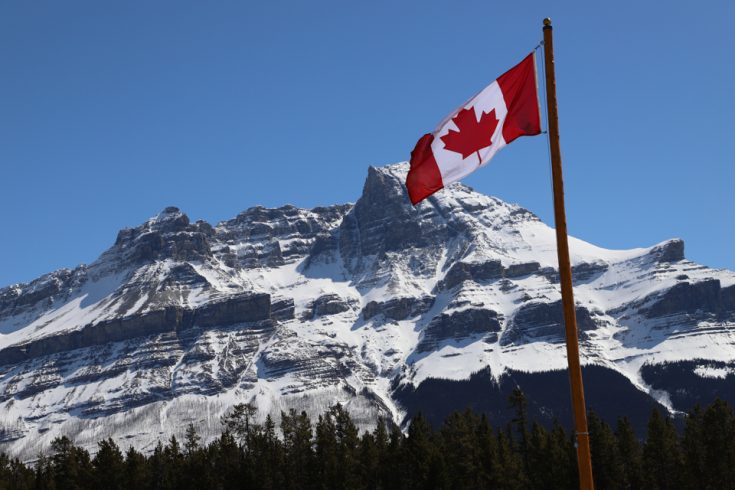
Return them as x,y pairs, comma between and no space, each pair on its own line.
469,138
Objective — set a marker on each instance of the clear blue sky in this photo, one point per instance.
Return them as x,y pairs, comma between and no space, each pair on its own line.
110,111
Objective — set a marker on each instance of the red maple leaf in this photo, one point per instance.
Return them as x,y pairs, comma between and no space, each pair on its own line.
473,135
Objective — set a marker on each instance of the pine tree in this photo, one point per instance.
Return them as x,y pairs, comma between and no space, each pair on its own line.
109,466
718,431
393,473
421,454
488,448
369,462
191,439
298,451
347,446
240,421
135,470
631,454
694,449
159,477
43,474
607,466
562,459
519,403
14,475
511,474
326,452
461,450
228,463
539,464
71,466
662,455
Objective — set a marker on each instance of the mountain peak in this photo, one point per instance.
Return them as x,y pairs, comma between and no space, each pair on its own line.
360,304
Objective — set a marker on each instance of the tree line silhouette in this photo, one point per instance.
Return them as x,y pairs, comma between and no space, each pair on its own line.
466,452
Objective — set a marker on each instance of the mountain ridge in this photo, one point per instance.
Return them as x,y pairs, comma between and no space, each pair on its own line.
368,304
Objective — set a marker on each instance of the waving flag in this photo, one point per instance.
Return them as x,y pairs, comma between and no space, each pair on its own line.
469,138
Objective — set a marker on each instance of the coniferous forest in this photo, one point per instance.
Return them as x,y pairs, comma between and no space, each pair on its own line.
465,452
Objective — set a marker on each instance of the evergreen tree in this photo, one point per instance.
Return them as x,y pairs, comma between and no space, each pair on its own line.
266,451
159,477
109,466
298,451
369,466
718,436
607,466
461,450
326,452
228,463
422,457
195,470
392,472
662,455
511,474
631,455
191,439
14,474
43,474
488,453
519,403
135,470
464,453
240,421
539,464
562,459
71,466
347,447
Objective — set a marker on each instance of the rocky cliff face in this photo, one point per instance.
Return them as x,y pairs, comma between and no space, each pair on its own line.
379,305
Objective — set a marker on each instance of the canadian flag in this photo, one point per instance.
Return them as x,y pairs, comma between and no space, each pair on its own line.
470,137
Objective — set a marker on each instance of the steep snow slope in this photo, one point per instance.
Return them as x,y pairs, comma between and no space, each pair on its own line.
366,304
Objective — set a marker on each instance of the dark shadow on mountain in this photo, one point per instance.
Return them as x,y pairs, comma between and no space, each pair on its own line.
608,393
686,388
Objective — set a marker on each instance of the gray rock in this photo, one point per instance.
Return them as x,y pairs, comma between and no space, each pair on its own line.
587,271
728,299
398,308
282,309
458,326
671,251
244,308
685,297
537,320
328,304
520,270
463,271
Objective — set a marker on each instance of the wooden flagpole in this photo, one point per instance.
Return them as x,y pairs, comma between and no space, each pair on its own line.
582,441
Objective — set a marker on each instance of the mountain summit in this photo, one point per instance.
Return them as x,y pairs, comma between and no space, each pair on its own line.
386,308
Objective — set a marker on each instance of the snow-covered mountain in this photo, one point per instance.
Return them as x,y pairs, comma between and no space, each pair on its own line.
384,307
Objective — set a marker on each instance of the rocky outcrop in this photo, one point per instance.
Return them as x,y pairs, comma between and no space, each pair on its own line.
245,308
327,304
272,237
536,321
476,271
520,270
376,225
390,297
170,235
727,296
282,309
704,297
15,300
398,308
460,325
670,251
588,271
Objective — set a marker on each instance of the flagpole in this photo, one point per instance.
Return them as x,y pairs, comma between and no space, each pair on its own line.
581,433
